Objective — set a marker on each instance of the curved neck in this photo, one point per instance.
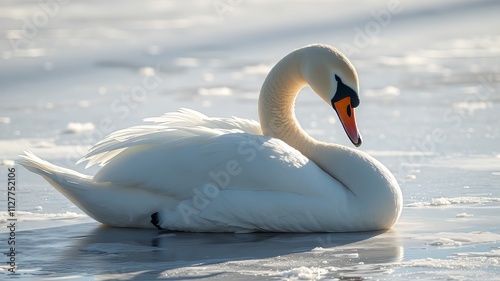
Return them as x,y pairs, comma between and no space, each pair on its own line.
277,116
377,189
276,104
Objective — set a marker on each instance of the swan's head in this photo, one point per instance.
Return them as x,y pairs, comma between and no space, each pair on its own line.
330,74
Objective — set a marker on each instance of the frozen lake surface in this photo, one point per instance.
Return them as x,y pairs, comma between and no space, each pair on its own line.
73,72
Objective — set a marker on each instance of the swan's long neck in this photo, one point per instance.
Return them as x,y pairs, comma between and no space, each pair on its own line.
371,182
276,104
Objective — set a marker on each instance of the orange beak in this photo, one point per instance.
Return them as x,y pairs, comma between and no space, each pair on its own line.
346,115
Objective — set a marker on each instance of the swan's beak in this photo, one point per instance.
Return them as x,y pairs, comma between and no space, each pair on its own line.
346,115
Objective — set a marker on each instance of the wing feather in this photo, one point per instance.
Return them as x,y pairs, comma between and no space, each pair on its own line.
170,127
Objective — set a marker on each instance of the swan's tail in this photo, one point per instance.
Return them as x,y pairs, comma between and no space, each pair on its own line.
115,205
73,185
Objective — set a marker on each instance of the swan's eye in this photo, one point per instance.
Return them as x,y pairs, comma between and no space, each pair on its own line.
349,110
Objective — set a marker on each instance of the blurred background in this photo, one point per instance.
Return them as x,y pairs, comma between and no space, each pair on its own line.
73,71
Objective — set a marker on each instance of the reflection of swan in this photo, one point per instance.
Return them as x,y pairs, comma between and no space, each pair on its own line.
196,173
107,250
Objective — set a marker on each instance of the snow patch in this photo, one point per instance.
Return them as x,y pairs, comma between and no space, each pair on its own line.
147,71
443,201
403,61
77,128
30,216
445,242
7,162
306,273
347,255
221,91
471,107
5,120
410,177
454,239
83,103
263,69
471,260
463,215
389,91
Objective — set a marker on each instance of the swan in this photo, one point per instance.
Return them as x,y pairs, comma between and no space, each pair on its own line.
184,171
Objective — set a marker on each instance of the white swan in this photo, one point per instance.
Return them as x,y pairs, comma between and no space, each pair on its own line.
190,172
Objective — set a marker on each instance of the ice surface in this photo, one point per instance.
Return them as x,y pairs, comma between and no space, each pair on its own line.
429,78
455,200
30,216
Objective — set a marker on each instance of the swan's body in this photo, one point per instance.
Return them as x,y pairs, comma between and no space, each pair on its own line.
196,173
